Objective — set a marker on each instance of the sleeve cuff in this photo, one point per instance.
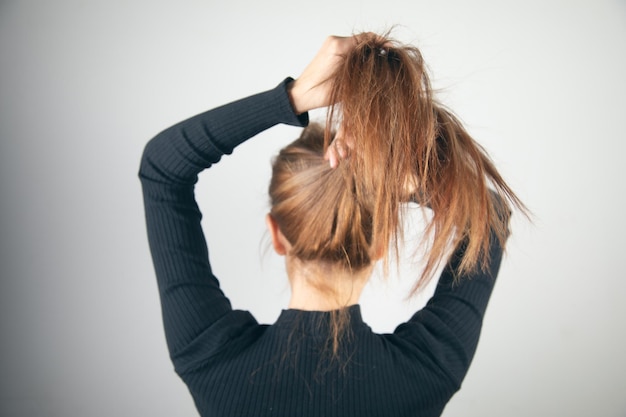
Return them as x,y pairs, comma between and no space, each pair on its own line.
287,110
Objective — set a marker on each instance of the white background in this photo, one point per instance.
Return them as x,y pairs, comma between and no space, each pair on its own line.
84,85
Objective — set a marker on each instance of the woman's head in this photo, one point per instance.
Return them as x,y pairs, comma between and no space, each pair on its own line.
325,214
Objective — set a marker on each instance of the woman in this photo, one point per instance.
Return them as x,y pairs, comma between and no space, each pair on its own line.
336,209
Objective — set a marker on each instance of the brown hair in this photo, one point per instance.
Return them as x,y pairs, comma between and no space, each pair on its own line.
406,146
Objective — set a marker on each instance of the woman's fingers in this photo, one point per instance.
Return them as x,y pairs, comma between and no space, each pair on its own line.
335,153
340,148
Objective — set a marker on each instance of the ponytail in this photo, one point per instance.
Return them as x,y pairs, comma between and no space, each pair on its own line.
402,136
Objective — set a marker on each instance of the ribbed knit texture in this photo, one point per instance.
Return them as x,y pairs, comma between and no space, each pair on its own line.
234,366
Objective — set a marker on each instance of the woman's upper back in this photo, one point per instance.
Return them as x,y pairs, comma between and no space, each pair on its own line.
285,370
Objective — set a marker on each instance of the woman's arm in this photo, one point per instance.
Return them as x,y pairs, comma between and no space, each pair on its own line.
191,299
449,326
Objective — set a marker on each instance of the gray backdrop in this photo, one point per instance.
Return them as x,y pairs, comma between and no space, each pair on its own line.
84,85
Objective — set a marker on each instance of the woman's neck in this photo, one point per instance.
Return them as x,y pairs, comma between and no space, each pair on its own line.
315,288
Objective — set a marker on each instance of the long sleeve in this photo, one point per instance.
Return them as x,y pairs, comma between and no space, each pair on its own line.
192,302
449,326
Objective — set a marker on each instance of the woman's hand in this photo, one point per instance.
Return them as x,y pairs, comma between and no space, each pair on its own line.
312,89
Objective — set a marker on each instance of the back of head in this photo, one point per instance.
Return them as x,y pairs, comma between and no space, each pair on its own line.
318,208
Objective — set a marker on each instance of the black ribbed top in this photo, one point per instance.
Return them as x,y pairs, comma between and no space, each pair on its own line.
234,366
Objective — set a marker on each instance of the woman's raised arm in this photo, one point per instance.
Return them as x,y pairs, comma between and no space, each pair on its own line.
191,299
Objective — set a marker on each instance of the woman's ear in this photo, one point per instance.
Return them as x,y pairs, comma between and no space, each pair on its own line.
278,240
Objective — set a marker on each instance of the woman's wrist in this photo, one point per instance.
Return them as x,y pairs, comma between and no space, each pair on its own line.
295,98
